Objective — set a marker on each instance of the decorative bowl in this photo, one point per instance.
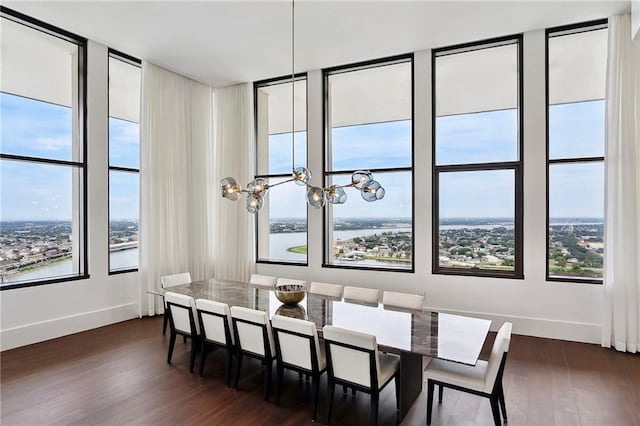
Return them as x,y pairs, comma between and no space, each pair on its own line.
290,294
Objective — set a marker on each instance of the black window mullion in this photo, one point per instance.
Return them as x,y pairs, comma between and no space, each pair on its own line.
80,167
516,166
551,33
329,172
279,176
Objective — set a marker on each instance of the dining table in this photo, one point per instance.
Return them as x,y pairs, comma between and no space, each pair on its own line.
410,334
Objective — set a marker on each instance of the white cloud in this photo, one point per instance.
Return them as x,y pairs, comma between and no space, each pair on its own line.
53,144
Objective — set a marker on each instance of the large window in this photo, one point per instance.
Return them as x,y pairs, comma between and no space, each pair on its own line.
42,155
576,81
477,168
282,221
124,161
369,126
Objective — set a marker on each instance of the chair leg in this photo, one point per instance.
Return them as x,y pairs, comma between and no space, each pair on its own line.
267,378
194,350
165,321
396,380
315,388
332,389
344,388
430,386
203,355
229,363
495,410
353,391
279,378
238,367
184,339
502,404
172,342
440,392
374,408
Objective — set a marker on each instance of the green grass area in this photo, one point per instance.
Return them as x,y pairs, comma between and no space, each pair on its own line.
298,249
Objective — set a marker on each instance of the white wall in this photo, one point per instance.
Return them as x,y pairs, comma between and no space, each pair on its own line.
536,307
44,312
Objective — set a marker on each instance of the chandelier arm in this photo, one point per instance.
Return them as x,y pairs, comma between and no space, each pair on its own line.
280,183
348,185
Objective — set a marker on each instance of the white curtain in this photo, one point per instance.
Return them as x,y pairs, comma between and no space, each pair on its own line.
234,229
621,324
177,184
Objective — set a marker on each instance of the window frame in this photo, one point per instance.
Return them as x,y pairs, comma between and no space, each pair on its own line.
128,59
80,166
517,166
568,30
326,174
257,85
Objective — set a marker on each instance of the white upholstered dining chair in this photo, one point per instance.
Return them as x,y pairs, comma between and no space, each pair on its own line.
360,294
402,300
262,280
254,338
483,379
182,320
353,360
298,348
326,289
168,281
216,331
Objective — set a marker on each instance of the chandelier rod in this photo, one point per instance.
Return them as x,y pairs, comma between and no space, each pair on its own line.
293,90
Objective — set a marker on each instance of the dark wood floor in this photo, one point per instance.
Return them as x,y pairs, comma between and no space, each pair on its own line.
119,375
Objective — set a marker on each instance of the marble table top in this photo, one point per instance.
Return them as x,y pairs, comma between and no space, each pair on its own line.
436,335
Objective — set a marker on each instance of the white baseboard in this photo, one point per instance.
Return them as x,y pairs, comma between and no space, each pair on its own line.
539,327
58,327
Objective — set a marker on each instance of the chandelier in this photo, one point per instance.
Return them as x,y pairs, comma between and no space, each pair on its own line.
317,196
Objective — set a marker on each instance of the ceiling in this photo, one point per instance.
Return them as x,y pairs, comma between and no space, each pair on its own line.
225,42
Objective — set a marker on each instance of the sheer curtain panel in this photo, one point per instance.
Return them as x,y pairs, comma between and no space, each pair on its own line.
177,182
621,322
234,154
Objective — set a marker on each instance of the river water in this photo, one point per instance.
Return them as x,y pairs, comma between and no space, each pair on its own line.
118,259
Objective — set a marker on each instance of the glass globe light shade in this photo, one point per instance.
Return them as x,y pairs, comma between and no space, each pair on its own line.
372,191
301,175
229,188
254,203
316,197
336,195
360,178
258,186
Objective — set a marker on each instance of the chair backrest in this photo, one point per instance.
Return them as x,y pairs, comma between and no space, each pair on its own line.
175,279
352,356
263,280
183,313
215,321
325,289
297,342
498,352
402,300
366,295
290,281
253,331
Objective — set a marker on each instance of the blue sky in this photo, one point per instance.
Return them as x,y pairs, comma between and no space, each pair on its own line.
43,192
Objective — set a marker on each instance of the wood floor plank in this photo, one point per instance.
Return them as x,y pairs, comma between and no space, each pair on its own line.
119,375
